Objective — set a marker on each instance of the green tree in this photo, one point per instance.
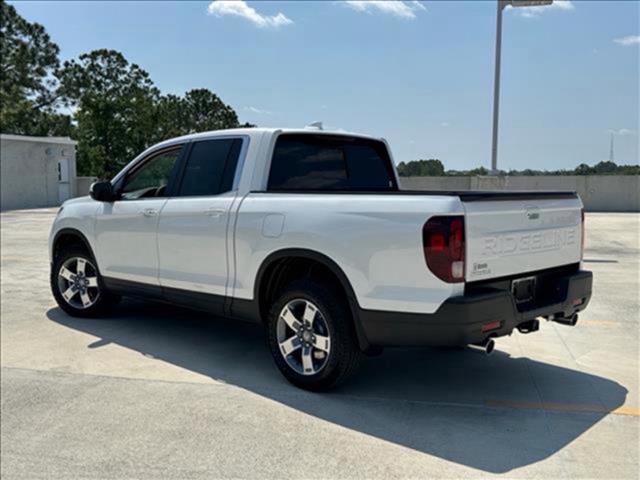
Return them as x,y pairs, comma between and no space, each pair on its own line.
205,111
199,110
120,112
116,104
422,168
583,169
604,167
481,171
169,117
28,86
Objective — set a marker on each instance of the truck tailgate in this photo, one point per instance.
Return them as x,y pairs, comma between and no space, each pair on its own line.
507,235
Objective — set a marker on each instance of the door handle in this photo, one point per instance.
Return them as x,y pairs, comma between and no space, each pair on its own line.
149,212
215,212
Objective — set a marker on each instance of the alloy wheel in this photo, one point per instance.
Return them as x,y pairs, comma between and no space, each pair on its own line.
303,337
78,282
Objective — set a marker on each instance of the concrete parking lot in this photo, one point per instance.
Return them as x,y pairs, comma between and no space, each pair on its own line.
159,392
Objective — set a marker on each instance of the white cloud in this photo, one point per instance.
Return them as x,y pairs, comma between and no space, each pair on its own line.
536,11
628,40
258,111
397,8
239,8
444,124
622,131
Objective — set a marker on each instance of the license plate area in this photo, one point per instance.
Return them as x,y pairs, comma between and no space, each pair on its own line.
523,289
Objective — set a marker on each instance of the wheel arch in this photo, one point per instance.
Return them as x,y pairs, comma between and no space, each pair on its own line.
70,236
269,268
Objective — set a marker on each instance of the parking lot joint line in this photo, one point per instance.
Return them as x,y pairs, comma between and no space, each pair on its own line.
607,323
564,407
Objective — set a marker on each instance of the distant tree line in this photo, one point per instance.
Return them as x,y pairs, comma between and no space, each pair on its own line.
110,106
434,168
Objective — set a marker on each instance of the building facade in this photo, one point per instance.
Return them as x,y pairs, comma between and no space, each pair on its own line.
36,171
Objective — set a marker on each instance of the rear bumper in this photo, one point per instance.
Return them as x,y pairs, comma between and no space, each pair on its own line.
460,320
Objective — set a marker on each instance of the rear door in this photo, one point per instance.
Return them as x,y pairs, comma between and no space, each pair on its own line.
524,234
193,226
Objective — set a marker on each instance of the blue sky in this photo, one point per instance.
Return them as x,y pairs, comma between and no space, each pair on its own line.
418,73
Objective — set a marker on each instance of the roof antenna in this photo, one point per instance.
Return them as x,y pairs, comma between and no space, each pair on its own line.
316,125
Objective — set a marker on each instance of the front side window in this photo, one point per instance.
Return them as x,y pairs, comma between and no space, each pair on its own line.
151,179
327,162
211,167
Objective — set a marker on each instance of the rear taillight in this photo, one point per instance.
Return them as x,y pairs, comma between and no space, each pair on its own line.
443,243
582,233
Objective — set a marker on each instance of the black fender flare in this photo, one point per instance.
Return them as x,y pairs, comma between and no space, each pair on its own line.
76,233
332,266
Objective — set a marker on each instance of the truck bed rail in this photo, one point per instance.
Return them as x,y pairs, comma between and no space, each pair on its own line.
464,195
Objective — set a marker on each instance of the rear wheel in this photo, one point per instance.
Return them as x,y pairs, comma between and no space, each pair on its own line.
77,286
311,336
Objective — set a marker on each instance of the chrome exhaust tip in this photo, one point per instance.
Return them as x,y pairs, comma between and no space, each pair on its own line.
485,347
570,321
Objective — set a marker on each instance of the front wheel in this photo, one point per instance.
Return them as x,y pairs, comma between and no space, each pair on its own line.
311,338
77,286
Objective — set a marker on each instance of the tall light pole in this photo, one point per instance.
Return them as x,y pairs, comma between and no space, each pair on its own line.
502,4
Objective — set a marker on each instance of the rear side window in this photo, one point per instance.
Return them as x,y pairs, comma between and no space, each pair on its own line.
211,167
325,162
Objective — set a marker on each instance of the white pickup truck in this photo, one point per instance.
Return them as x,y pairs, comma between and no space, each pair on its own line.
308,232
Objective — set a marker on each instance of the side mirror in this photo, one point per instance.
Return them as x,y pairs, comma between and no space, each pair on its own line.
102,192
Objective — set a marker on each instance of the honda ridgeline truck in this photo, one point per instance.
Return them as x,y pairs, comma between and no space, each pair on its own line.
308,232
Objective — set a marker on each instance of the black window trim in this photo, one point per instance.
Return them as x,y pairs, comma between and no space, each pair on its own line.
184,158
332,137
129,172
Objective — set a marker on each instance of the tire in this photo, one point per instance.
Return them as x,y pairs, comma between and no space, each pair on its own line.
332,361
79,293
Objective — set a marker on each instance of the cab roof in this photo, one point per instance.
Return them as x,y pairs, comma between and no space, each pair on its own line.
258,131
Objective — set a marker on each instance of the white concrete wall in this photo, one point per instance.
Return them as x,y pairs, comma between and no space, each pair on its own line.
83,184
29,170
599,193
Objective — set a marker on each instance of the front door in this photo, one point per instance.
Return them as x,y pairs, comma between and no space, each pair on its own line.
126,230
194,225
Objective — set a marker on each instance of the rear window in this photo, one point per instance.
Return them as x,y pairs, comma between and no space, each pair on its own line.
325,162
